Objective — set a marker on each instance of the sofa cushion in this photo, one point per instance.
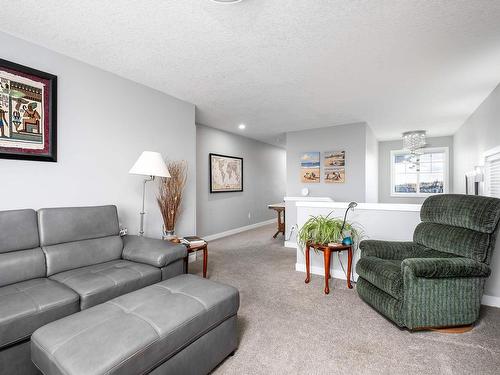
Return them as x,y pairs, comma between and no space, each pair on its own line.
383,273
68,224
136,332
21,265
28,305
71,255
101,282
18,230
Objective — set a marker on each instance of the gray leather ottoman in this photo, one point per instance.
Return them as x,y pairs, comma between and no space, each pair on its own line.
184,325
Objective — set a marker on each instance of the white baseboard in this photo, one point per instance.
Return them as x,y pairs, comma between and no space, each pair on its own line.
491,301
320,271
290,244
238,230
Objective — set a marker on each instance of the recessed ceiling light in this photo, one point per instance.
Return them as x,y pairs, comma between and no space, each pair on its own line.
226,1
241,126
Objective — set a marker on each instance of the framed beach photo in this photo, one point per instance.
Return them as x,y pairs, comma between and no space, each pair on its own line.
28,113
310,167
226,173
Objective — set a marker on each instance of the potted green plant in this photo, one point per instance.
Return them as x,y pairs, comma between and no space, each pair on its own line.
325,230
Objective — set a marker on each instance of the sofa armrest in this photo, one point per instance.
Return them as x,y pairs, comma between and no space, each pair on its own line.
151,251
445,267
386,249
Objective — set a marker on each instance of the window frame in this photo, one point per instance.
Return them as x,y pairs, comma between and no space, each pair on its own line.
488,157
430,150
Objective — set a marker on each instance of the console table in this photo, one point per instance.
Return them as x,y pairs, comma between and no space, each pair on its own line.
193,249
327,252
280,209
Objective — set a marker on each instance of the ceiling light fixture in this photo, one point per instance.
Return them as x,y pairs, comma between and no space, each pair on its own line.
241,126
413,141
226,1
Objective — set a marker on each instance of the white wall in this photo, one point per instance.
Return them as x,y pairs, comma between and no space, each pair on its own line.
371,167
104,123
481,132
263,182
385,148
351,138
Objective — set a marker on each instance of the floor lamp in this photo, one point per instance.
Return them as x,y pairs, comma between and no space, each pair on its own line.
149,164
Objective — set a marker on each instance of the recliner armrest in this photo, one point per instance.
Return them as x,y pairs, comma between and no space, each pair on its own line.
386,249
445,267
151,251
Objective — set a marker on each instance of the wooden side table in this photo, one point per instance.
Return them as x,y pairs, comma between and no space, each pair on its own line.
327,252
193,249
280,209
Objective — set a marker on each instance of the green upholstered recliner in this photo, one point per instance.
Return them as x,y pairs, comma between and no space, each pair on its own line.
438,279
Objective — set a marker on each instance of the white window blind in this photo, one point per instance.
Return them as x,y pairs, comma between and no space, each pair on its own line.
492,173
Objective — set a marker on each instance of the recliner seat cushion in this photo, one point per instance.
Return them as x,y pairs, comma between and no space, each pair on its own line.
28,305
134,333
100,282
383,273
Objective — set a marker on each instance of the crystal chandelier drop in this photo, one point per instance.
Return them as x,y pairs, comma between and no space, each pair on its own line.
414,140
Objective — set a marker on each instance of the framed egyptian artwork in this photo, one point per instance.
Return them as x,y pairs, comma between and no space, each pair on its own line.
226,173
28,113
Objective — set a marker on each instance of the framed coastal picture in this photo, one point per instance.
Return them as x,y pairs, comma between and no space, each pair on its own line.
309,167
334,167
28,113
226,173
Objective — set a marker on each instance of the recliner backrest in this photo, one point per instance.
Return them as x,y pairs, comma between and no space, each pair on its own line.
74,237
21,258
464,225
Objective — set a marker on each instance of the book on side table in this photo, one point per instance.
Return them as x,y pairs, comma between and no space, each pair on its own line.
192,241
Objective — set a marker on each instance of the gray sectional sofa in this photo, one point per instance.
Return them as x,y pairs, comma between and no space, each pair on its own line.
59,261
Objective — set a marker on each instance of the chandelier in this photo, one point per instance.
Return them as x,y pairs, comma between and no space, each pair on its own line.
413,141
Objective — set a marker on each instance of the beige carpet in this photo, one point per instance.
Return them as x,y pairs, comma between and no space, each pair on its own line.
288,327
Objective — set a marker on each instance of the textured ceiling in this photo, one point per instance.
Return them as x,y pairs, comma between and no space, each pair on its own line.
280,65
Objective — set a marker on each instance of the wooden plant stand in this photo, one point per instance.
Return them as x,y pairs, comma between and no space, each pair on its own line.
327,252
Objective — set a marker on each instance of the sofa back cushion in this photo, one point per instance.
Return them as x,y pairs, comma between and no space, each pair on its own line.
75,237
464,225
20,255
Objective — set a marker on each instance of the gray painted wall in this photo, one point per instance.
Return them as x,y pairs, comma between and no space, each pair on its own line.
263,181
351,138
385,148
480,133
104,123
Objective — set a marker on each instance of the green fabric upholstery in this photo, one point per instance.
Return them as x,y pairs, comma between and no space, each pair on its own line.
384,274
438,279
381,301
445,267
454,240
466,211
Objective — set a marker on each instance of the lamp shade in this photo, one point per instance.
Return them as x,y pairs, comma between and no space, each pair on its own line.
150,163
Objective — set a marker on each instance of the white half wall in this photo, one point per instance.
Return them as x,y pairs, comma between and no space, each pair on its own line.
104,123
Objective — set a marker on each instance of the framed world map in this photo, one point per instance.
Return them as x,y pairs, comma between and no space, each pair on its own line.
226,173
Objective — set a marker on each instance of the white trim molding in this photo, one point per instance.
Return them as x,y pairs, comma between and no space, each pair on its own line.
238,230
290,244
490,301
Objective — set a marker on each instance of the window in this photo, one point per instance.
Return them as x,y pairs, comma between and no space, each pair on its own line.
419,175
492,173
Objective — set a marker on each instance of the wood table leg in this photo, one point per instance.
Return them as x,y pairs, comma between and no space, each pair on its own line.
349,265
308,275
326,254
205,261
186,262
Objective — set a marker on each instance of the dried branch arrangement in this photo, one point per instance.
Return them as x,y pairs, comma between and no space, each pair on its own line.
170,193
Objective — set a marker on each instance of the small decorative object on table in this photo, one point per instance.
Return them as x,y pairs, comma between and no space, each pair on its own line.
327,235
170,196
194,244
